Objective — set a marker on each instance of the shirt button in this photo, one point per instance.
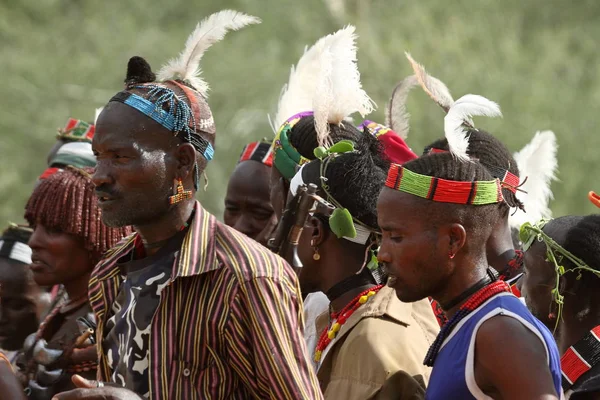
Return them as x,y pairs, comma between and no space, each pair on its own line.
186,372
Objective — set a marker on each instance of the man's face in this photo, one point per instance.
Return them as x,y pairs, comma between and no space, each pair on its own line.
537,283
136,166
18,304
58,257
413,251
247,202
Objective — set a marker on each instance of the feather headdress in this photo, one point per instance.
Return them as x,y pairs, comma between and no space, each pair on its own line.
298,93
462,110
396,116
536,161
186,66
339,91
458,113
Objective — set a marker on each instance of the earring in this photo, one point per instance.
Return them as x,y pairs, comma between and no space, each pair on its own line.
552,316
181,195
316,256
451,255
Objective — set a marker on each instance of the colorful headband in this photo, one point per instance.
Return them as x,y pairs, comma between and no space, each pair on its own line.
258,151
442,190
180,119
509,180
395,148
77,130
594,198
285,156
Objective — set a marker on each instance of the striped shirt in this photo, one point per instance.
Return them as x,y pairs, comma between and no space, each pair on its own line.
229,322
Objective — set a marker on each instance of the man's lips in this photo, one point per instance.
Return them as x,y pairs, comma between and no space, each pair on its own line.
104,198
37,264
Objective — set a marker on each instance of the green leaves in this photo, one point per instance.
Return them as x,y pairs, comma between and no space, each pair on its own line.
341,223
343,146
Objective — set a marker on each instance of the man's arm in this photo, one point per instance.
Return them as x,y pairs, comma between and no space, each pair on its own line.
511,361
274,323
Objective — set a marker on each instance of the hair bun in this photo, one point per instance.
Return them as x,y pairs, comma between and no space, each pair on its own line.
138,71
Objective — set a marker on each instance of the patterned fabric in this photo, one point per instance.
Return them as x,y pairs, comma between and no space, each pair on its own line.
229,322
77,130
258,151
128,329
285,157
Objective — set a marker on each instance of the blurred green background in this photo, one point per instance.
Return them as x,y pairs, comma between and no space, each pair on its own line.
537,58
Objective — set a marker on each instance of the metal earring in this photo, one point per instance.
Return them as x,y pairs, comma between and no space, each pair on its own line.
451,255
316,256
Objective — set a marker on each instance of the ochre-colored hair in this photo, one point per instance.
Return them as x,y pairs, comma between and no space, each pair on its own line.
65,201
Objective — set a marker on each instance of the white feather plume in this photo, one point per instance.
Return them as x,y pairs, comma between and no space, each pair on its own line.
340,93
98,111
298,93
462,110
396,116
435,88
537,162
211,30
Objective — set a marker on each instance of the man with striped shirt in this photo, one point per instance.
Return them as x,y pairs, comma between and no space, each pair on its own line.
187,307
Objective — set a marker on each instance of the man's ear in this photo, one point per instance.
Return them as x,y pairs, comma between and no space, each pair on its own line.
185,154
457,236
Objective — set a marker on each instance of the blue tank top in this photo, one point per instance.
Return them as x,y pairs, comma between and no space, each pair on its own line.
453,376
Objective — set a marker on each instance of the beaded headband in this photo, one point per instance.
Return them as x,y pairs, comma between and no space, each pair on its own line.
443,190
258,151
180,118
77,130
285,156
509,180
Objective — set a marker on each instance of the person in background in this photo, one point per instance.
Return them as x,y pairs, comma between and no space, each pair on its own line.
21,300
187,307
68,239
561,287
248,206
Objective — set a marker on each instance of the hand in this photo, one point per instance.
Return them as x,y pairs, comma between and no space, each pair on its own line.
94,390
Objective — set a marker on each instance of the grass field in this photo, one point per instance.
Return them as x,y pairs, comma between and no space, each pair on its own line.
537,59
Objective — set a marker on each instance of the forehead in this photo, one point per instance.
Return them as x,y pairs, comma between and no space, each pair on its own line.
396,209
249,178
12,272
123,126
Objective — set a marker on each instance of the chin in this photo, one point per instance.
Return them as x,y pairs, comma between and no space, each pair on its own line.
407,296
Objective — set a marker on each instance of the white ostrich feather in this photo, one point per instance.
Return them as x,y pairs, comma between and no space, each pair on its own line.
186,66
461,111
340,93
435,88
537,162
396,116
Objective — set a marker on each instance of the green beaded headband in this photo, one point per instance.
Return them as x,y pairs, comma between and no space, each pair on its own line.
555,254
442,190
285,157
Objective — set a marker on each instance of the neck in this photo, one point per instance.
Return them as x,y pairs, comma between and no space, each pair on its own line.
338,304
462,280
572,328
500,248
77,288
156,233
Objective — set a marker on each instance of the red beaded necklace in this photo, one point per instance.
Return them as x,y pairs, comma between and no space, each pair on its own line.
341,317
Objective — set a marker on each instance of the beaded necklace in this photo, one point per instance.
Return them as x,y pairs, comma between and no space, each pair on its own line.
340,319
480,297
580,358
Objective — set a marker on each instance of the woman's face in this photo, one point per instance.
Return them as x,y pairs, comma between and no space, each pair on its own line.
58,257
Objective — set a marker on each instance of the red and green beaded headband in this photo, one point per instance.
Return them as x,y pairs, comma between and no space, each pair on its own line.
443,190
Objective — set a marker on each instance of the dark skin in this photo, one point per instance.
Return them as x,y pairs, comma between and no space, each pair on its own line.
500,247
139,162
60,258
339,260
278,191
418,239
581,309
248,206
19,304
